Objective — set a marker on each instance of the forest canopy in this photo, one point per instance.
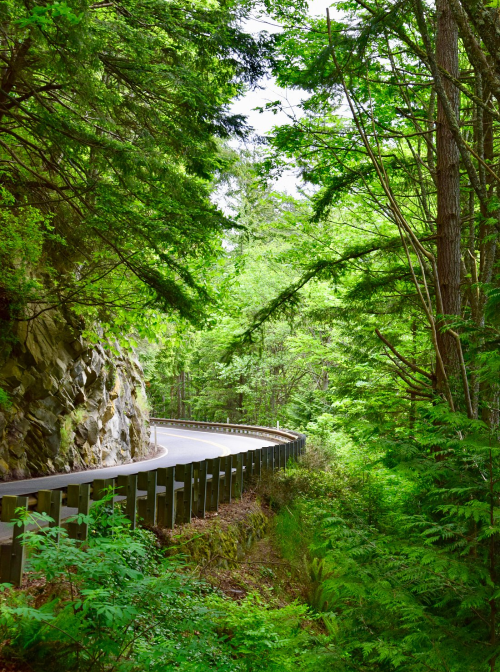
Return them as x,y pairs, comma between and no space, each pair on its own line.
111,118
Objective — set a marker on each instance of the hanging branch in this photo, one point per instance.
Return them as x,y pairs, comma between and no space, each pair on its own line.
403,359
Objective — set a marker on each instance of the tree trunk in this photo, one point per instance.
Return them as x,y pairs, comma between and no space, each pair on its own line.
448,192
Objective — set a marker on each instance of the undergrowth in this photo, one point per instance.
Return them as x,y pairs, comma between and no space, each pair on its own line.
119,604
394,565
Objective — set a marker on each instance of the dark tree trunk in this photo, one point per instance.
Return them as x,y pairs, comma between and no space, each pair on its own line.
448,190
240,396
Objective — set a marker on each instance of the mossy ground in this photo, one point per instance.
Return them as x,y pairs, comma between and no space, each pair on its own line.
234,550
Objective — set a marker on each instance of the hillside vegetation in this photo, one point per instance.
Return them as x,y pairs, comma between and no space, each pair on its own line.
362,310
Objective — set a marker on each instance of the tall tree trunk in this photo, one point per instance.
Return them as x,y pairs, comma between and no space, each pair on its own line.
448,190
240,396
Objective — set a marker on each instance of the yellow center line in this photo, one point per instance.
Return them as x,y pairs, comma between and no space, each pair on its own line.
225,450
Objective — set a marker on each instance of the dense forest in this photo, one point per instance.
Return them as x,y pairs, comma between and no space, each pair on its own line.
362,310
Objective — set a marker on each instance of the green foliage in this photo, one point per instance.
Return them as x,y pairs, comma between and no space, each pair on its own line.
21,244
268,639
117,603
397,549
110,123
5,401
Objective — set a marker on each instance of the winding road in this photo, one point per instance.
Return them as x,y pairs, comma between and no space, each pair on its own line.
181,446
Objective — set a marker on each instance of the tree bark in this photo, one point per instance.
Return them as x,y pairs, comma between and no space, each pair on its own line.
448,192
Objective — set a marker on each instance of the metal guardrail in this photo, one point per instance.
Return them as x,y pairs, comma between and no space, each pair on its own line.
165,496
256,430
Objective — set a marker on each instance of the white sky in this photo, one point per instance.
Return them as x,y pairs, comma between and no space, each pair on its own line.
264,122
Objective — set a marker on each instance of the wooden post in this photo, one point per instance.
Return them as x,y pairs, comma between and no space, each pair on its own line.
13,555
283,451
170,498
258,462
127,485
222,491
201,504
246,471
196,486
214,485
161,509
50,502
238,480
179,506
251,456
179,495
146,480
161,476
276,455
188,493
161,499
99,486
210,483
270,458
263,459
228,476
79,498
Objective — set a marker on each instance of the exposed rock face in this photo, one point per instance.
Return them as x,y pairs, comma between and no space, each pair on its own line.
74,405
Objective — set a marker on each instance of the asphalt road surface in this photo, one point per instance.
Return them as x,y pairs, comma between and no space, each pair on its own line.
181,446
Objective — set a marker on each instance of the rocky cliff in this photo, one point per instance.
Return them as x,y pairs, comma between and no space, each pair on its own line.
73,405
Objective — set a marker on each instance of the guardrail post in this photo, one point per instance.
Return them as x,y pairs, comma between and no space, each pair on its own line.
270,457
196,478
179,495
228,477
251,457
13,555
283,451
99,486
188,493
277,457
50,502
127,485
201,503
161,509
258,462
161,499
79,498
170,498
264,459
214,484
238,478
244,477
146,480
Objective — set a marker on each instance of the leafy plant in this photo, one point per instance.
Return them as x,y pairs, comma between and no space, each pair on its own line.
117,603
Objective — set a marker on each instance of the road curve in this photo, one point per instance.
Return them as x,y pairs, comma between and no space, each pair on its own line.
182,446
